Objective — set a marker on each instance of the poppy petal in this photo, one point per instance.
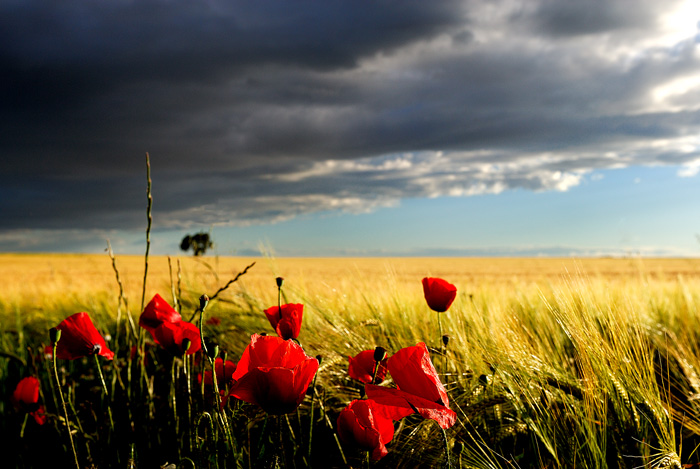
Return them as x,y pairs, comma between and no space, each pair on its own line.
398,404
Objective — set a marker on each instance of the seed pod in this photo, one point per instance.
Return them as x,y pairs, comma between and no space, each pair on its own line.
55,335
379,354
203,302
213,352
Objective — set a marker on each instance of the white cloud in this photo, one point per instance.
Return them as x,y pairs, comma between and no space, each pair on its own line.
690,169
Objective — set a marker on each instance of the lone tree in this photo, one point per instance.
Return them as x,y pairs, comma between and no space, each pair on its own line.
199,243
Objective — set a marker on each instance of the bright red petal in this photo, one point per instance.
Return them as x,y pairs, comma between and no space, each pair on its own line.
156,312
286,319
171,336
360,424
39,415
397,404
80,338
439,294
274,374
361,367
414,373
27,392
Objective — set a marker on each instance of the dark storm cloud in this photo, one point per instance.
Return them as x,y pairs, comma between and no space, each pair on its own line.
261,111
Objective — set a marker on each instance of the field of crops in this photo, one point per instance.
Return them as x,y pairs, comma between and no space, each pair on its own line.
543,362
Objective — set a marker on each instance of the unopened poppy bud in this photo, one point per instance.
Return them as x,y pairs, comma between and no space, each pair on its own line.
224,356
280,281
203,302
458,448
213,352
54,335
445,339
379,354
186,344
319,358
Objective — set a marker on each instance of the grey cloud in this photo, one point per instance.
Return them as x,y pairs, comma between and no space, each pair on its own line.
235,100
593,16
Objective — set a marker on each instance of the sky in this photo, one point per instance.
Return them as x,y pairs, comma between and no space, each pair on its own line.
352,128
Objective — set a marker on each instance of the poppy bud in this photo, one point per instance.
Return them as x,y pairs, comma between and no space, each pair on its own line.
55,335
319,358
224,356
203,301
445,339
458,448
186,344
213,352
379,354
280,281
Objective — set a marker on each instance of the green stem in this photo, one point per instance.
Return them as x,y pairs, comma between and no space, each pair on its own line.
173,395
440,330
24,424
104,390
311,418
444,363
448,460
63,403
217,397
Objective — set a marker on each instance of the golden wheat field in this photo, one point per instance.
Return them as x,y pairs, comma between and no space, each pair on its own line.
549,362
35,280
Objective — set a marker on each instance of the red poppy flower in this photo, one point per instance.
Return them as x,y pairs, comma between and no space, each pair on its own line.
363,424
156,312
273,373
170,336
419,388
439,294
26,398
79,338
361,367
286,319
224,374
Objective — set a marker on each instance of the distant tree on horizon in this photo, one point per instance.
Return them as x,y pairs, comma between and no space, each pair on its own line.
199,243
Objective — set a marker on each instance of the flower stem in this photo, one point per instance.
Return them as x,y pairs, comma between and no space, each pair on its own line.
448,460
63,404
203,301
439,329
24,424
311,419
104,390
